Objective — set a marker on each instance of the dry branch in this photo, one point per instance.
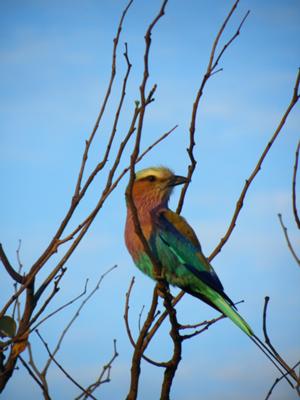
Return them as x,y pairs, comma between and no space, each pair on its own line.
268,342
210,71
240,202
294,186
34,377
138,350
55,242
104,376
63,369
11,271
289,244
277,380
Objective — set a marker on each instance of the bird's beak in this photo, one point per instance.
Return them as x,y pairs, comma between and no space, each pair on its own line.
177,180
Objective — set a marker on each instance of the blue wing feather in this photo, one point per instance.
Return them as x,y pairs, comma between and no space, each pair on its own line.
175,233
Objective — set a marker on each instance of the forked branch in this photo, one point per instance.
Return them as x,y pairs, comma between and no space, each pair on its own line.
240,202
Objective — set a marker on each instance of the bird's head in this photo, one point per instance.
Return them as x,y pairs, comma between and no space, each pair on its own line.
153,186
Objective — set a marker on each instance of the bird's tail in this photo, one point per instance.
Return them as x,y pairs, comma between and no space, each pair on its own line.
235,317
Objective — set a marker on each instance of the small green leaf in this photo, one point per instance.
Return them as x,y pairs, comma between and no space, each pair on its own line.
8,326
137,103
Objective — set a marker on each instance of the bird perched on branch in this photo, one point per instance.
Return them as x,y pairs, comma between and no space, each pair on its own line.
174,244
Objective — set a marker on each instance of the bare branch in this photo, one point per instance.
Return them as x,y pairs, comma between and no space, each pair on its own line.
289,370
76,315
277,380
104,376
55,290
126,313
108,91
31,373
206,324
138,352
231,39
101,164
285,231
172,364
62,369
115,183
239,204
160,320
16,307
57,310
42,377
210,71
11,271
140,317
55,242
218,37
294,187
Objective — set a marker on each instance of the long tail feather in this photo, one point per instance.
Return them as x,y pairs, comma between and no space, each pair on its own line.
266,350
235,317
272,358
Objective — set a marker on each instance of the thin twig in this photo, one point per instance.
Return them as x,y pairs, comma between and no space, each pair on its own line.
218,37
239,204
7,265
110,187
205,327
237,33
41,376
210,71
285,231
294,186
137,354
277,380
126,313
102,163
60,308
206,322
160,320
76,315
55,290
54,243
269,344
16,306
62,369
102,109
32,374
104,376
113,185
140,317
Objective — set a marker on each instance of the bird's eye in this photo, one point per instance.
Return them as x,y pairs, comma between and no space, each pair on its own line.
151,178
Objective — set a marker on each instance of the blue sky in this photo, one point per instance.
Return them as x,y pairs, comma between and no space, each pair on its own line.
55,62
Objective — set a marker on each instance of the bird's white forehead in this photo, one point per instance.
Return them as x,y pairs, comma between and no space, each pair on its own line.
159,172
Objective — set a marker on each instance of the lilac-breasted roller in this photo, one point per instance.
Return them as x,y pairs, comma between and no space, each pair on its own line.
174,243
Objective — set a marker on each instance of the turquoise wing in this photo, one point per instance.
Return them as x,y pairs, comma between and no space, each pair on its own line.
179,251
174,235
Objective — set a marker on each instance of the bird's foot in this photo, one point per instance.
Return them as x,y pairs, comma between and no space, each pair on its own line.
163,290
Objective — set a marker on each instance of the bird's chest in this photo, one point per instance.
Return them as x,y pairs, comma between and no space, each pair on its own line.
132,240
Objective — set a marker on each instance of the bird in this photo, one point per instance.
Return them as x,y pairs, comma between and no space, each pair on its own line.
174,243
